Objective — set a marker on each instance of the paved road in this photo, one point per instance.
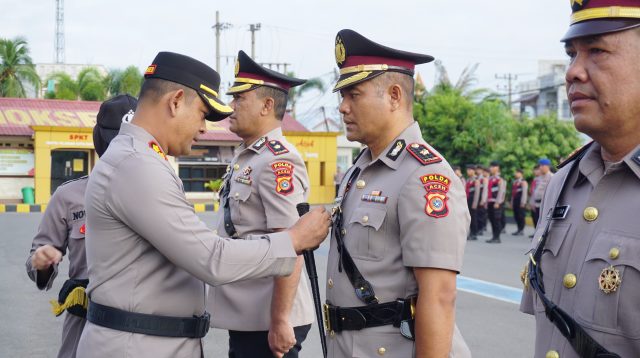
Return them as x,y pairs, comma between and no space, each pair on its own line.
493,327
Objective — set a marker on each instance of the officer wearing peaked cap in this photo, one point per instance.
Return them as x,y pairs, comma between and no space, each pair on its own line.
62,230
584,265
267,316
148,254
391,287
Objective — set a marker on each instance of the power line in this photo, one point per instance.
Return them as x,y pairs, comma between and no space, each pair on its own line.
219,27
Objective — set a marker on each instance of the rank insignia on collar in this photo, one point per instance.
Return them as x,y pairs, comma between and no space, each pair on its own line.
156,148
560,212
276,147
437,186
284,177
259,143
396,149
375,197
423,154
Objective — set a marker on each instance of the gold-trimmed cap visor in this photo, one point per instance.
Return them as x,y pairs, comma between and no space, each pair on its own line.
597,17
218,109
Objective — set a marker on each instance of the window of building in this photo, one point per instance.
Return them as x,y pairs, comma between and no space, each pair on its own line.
322,173
195,176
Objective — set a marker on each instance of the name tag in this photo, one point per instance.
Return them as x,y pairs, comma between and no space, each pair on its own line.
560,212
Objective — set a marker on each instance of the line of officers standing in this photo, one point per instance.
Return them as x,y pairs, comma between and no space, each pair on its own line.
487,197
399,224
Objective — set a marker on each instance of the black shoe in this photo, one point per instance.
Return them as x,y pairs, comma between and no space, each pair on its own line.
518,233
472,238
493,241
531,236
504,231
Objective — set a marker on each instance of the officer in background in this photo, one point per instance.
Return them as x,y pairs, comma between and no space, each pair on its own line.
541,182
458,171
483,179
472,188
519,191
584,272
63,228
267,178
147,252
401,220
531,204
495,203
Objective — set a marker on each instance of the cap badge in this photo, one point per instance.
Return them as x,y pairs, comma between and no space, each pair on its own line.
578,4
150,70
237,68
341,52
128,116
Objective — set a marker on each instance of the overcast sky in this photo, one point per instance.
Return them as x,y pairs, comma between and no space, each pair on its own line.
503,36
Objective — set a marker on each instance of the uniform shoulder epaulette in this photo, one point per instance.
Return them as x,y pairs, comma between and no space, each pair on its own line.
276,147
72,180
575,154
423,154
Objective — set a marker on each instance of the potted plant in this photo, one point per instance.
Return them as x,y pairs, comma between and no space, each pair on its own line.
214,185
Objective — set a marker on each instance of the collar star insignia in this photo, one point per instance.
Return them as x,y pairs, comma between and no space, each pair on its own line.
396,149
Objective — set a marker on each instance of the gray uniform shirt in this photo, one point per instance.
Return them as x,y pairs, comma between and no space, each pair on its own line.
542,181
419,219
265,187
63,227
585,249
149,253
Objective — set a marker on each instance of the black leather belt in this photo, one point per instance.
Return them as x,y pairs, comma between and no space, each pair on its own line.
153,325
339,319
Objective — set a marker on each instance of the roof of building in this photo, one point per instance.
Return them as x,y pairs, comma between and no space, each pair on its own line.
17,115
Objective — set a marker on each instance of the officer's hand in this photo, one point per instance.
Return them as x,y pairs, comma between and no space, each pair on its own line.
281,338
496,206
310,230
45,256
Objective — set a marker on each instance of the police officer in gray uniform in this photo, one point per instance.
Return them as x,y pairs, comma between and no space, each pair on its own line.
63,228
149,256
584,264
266,179
401,219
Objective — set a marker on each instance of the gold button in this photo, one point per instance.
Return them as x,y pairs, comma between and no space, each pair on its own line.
236,166
590,213
569,280
365,219
330,283
552,354
360,184
236,195
614,253
382,351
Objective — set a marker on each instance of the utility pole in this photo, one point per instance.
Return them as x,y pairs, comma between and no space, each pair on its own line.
59,39
253,28
219,27
509,77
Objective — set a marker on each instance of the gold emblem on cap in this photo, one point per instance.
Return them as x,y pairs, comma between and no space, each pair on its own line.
614,253
237,68
609,279
341,52
569,280
573,2
360,184
590,213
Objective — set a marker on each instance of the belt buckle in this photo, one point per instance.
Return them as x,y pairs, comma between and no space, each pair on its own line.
202,325
327,321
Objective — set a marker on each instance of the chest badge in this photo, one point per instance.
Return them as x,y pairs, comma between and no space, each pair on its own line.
609,279
375,197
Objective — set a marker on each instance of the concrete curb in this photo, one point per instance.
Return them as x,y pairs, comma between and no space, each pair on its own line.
39,208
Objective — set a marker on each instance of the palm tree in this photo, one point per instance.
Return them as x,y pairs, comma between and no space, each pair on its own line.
91,85
66,87
16,68
296,92
465,83
127,81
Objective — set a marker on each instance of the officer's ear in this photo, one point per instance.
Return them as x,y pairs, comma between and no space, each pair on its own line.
396,96
176,101
268,105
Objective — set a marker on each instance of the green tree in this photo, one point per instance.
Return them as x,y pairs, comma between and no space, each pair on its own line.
123,82
16,68
91,85
65,87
